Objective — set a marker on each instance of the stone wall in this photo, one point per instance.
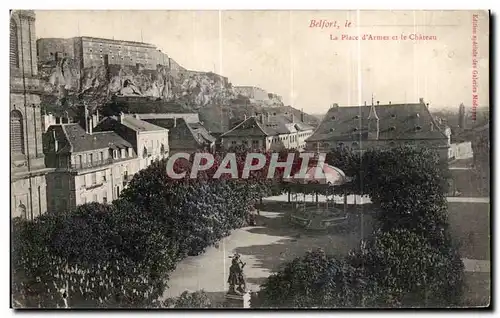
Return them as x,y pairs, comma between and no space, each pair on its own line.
22,194
48,49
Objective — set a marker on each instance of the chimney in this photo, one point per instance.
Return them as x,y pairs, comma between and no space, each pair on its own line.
245,117
432,126
96,117
378,102
292,117
390,103
302,119
365,102
421,100
91,124
121,118
175,122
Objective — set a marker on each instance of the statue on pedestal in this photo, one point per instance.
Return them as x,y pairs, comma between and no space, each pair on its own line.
236,281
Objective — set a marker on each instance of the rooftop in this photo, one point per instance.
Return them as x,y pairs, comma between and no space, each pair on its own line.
396,121
196,129
267,125
138,124
80,141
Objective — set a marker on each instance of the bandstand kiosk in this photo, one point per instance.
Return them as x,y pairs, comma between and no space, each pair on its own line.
318,180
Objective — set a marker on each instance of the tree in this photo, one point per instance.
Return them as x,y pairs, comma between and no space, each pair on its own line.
410,259
198,299
406,270
314,280
87,252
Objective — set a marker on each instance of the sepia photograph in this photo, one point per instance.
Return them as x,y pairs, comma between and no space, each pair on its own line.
251,159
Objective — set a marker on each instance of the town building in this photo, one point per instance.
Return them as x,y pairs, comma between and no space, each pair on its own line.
269,133
27,164
87,166
149,141
380,126
186,132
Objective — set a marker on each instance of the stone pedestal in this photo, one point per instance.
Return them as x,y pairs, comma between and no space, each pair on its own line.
237,301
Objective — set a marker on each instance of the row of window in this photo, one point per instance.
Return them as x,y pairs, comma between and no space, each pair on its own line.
96,198
97,178
393,116
117,46
356,144
99,158
255,143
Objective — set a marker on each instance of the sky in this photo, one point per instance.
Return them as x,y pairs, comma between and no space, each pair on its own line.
280,52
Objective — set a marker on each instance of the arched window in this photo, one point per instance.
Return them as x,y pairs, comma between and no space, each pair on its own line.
14,48
16,132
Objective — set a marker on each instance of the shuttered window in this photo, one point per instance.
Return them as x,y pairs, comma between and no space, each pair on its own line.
16,132
14,48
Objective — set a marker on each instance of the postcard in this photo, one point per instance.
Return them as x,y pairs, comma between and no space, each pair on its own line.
250,159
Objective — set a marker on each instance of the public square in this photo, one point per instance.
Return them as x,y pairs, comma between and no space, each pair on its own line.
274,241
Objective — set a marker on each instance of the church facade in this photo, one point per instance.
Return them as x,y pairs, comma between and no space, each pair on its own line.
27,166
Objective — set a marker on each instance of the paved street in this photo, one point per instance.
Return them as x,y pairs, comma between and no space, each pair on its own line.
262,248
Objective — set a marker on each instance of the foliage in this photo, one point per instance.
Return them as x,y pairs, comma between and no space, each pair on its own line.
198,299
409,261
83,251
405,270
120,255
314,280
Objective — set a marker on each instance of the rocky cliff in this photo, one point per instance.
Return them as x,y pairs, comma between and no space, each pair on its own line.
67,86
64,78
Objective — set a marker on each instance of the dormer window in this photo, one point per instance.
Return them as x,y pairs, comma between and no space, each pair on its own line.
393,116
357,116
332,129
333,118
418,128
392,128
